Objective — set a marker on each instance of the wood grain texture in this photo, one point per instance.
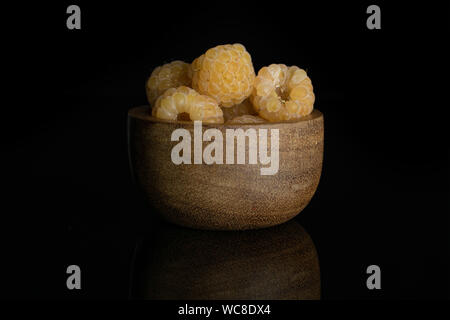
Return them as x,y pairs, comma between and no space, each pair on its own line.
224,196
185,264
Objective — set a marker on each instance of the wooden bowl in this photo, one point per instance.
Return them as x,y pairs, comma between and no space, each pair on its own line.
226,196
179,263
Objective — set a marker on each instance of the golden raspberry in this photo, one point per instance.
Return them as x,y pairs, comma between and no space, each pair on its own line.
246,119
171,75
225,73
243,108
282,93
175,102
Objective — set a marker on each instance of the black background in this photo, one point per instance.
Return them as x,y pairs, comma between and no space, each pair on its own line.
69,199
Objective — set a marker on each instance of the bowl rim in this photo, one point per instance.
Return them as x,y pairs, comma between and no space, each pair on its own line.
141,113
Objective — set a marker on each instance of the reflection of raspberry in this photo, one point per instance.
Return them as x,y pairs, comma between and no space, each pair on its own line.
243,108
225,73
175,102
282,93
171,75
246,118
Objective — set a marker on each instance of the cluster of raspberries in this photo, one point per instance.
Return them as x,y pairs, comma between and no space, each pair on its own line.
221,86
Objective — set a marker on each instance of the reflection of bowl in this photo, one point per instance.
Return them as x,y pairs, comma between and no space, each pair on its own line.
185,264
226,196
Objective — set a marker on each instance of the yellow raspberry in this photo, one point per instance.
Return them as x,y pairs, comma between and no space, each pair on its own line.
243,108
174,103
171,75
246,119
225,73
282,93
